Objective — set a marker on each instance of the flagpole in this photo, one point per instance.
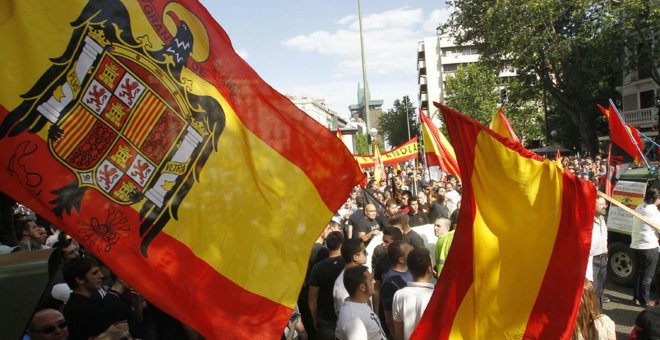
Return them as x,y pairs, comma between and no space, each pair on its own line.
364,71
630,136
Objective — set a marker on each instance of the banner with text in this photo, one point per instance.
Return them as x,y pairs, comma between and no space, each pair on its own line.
403,153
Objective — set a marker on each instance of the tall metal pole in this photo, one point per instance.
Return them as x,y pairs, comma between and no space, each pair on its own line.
364,74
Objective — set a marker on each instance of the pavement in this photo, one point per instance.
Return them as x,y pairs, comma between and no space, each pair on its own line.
621,308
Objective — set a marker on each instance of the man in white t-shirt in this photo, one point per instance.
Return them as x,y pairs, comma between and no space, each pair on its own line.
410,302
452,197
644,243
354,254
357,321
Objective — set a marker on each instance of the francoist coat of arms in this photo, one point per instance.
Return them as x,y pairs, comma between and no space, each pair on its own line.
120,117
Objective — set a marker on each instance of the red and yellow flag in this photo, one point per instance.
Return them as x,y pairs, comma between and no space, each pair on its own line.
136,128
624,137
501,125
439,151
379,167
506,274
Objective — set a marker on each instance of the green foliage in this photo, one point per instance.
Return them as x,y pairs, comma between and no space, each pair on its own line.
570,49
393,125
361,145
473,91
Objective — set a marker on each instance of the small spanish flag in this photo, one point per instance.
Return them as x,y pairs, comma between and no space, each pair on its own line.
501,125
136,128
627,145
439,151
522,220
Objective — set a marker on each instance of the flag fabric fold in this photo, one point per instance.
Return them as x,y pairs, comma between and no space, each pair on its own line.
136,128
500,124
439,152
506,275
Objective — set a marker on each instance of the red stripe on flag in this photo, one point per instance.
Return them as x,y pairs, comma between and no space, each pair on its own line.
212,294
554,302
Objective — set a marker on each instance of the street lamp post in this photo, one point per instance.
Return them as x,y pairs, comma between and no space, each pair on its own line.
373,132
364,71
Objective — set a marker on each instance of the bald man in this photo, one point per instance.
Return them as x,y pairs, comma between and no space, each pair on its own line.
368,227
48,324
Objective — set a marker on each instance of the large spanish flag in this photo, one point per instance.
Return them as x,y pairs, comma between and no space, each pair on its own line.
439,152
136,128
501,125
516,266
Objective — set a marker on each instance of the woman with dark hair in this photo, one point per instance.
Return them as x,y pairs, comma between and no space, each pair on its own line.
644,243
590,323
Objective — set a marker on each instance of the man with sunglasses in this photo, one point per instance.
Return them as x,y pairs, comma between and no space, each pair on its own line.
48,324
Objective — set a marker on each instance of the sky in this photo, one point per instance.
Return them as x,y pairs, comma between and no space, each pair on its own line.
311,48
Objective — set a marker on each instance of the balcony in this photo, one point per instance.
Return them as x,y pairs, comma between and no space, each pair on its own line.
647,117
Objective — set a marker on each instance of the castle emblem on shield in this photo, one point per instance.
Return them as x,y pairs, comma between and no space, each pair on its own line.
120,118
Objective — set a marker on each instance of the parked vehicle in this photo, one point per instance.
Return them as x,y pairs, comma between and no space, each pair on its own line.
629,190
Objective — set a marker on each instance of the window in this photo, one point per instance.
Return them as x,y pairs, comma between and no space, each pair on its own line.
646,99
449,67
630,102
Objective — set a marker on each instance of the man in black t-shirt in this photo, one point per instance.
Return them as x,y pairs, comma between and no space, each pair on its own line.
321,281
368,226
417,216
85,317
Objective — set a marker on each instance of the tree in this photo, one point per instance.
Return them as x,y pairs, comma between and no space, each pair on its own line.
475,90
393,125
472,90
569,49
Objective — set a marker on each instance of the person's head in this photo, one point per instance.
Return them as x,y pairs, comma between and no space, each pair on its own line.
358,282
441,226
353,251
398,252
48,324
588,311
449,187
26,226
83,274
419,263
453,181
370,211
421,197
414,205
332,226
601,206
401,221
392,207
391,234
359,202
651,196
334,240
373,185
405,196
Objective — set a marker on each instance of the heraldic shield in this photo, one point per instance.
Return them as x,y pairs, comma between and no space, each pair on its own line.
121,119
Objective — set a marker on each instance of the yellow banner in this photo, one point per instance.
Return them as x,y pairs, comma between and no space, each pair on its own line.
405,152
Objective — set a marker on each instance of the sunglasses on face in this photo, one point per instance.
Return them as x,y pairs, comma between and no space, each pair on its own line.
50,329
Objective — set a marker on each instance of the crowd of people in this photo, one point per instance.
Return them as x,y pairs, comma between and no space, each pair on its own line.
348,293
